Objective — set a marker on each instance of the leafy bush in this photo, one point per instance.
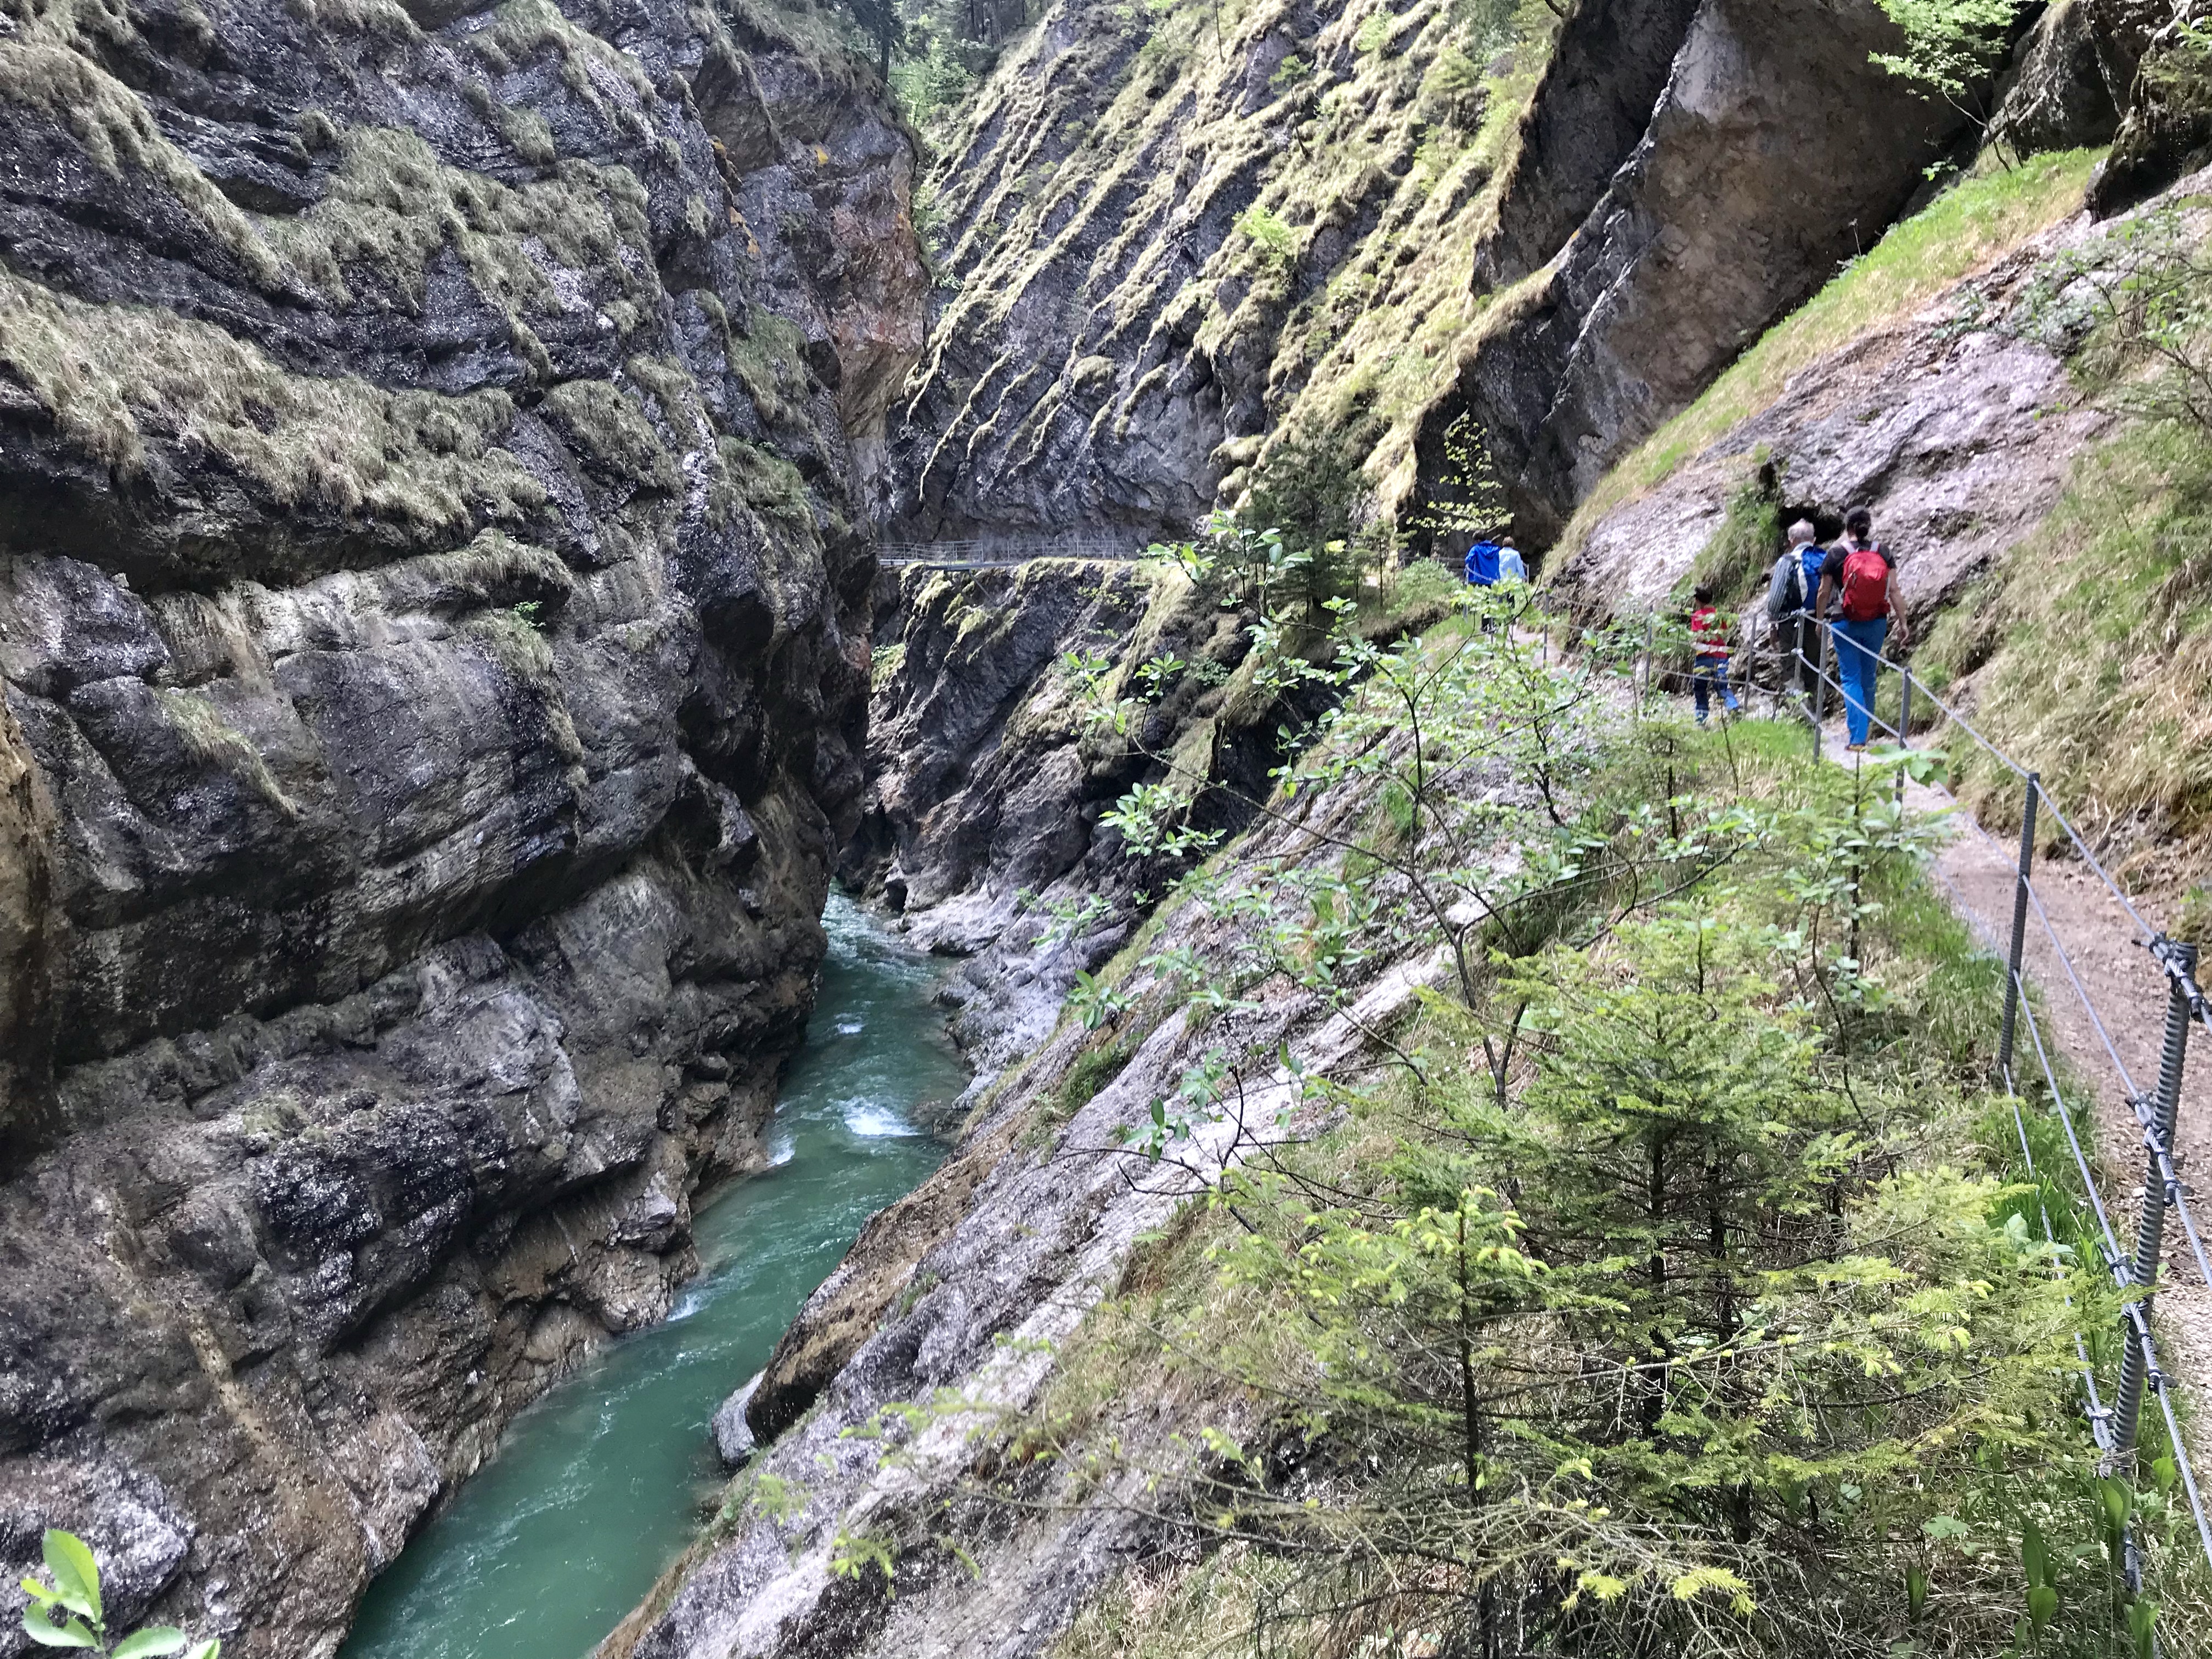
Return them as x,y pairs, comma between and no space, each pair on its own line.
66,1610
1274,244
1656,1295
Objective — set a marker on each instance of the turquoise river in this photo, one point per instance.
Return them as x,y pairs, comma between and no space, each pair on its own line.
597,1486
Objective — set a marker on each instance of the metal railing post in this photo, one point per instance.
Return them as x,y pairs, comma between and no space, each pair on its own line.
2150,1227
1650,632
1820,682
2019,931
1903,720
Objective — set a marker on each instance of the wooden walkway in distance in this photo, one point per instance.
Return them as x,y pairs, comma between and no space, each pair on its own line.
1004,553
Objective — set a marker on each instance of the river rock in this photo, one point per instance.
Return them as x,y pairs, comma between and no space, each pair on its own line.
733,1435
433,625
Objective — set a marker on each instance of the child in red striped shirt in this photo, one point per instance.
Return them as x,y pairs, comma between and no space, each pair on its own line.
1709,639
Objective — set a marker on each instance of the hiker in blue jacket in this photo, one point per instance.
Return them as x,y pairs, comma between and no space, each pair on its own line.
1482,564
1790,597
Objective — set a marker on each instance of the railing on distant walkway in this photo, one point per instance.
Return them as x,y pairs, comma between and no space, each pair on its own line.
2114,1426
1006,552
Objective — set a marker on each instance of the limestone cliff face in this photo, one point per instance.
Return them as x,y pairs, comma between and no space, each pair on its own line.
981,821
1956,420
1776,149
1294,258
433,620
2166,125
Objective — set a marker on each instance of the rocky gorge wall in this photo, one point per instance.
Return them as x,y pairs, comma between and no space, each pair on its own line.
1293,258
434,622
970,1286
983,827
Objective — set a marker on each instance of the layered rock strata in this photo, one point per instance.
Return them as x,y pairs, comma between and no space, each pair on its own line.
982,822
1777,150
433,618
1292,259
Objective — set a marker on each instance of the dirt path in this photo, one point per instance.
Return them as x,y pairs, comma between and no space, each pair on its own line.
2129,992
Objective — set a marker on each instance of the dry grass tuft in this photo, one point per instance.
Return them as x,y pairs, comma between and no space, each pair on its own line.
112,375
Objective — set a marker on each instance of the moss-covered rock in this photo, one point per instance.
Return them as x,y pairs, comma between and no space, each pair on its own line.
434,649
1328,232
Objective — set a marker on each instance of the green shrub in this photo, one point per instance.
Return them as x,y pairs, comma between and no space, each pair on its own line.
66,1610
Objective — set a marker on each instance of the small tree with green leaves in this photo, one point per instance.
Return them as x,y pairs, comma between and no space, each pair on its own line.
66,1610
1951,47
1470,498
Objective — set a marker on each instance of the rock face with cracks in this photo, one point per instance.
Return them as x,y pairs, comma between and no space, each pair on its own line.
984,821
433,618
1958,425
1776,151
1290,260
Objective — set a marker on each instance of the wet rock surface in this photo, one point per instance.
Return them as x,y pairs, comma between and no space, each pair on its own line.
964,1290
982,824
433,615
1959,425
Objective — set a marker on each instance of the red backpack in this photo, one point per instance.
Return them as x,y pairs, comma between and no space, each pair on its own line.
1866,584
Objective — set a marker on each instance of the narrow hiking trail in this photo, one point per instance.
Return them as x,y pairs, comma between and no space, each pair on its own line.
2112,971
2116,974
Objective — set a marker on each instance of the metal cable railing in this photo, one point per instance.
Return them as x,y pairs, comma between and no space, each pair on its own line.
2114,1426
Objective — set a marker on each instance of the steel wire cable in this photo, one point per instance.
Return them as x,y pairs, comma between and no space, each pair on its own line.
1949,713
2099,1415
2136,1321
1821,674
2112,1250
2138,1324
2080,844
2154,1141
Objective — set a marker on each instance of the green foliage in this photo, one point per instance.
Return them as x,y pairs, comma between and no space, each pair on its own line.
66,1610
1951,46
1656,1295
1308,485
1738,559
1274,244
776,1499
2098,639
1469,499
2135,307
2091,644
851,1555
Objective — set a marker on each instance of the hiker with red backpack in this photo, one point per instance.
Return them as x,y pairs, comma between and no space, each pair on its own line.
1858,580
1708,641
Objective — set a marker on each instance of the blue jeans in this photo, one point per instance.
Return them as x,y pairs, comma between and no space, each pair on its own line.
1711,672
1857,645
